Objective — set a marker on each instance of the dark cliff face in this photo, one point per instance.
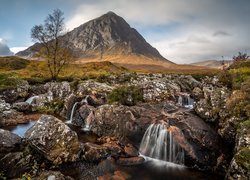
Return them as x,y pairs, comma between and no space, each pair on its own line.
109,34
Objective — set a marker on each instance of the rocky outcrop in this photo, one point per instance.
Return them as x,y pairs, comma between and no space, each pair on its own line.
212,106
52,175
20,92
240,164
21,106
54,140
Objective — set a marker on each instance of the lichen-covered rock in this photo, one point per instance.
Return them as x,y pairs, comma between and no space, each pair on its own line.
94,153
21,106
8,141
21,91
212,106
58,90
93,88
85,115
240,164
53,139
9,116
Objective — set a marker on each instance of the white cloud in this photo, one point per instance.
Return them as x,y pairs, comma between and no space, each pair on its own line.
17,49
205,29
4,49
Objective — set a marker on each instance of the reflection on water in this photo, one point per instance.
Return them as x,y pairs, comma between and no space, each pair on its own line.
20,129
154,169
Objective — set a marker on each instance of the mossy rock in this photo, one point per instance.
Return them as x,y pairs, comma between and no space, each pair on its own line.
243,158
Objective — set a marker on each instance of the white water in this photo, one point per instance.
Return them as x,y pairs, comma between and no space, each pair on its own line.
31,99
186,101
72,113
159,143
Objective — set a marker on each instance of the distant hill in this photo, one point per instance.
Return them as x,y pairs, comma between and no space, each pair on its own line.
13,63
212,63
104,38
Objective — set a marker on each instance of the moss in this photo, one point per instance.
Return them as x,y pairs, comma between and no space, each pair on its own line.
126,95
8,82
52,107
242,158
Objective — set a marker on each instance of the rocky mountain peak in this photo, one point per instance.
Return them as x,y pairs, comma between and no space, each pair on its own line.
108,34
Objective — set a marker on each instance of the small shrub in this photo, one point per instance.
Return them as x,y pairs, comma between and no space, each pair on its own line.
243,158
126,95
226,79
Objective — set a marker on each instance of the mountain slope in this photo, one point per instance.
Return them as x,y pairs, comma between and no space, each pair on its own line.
212,63
106,36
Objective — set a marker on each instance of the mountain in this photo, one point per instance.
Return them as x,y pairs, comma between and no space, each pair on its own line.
107,37
212,63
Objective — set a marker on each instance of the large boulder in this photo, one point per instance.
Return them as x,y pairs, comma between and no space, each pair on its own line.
203,142
53,139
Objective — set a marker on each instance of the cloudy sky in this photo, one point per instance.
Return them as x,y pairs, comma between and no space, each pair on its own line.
184,31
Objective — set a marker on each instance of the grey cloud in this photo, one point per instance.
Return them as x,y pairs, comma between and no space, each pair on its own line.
221,33
4,49
201,24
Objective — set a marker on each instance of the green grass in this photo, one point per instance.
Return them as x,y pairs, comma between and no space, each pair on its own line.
13,63
126,95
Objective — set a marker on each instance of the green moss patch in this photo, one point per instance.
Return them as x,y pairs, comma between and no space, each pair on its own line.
243,158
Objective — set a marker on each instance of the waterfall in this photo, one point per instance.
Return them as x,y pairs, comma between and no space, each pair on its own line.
31,99
85,100
88,121
159,143
72,113
186,101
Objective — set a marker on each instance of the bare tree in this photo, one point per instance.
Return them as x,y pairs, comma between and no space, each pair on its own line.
55,49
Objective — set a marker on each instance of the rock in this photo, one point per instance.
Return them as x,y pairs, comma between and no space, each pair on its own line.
131,151
21,106
94,153
52,175
58,90
117,175
53,139
8,141
21,91
9,116
84,115
201,143
130,161
68,105
212,106
240,165
94,88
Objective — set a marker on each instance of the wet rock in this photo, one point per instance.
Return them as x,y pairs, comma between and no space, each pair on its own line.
130,161
131,151
53,139
94,153
68,105
117,175
21,106
203,143
84,115
8,141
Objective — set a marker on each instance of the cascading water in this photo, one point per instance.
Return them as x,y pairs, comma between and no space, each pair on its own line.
186,101
72,113
31,99
159,143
